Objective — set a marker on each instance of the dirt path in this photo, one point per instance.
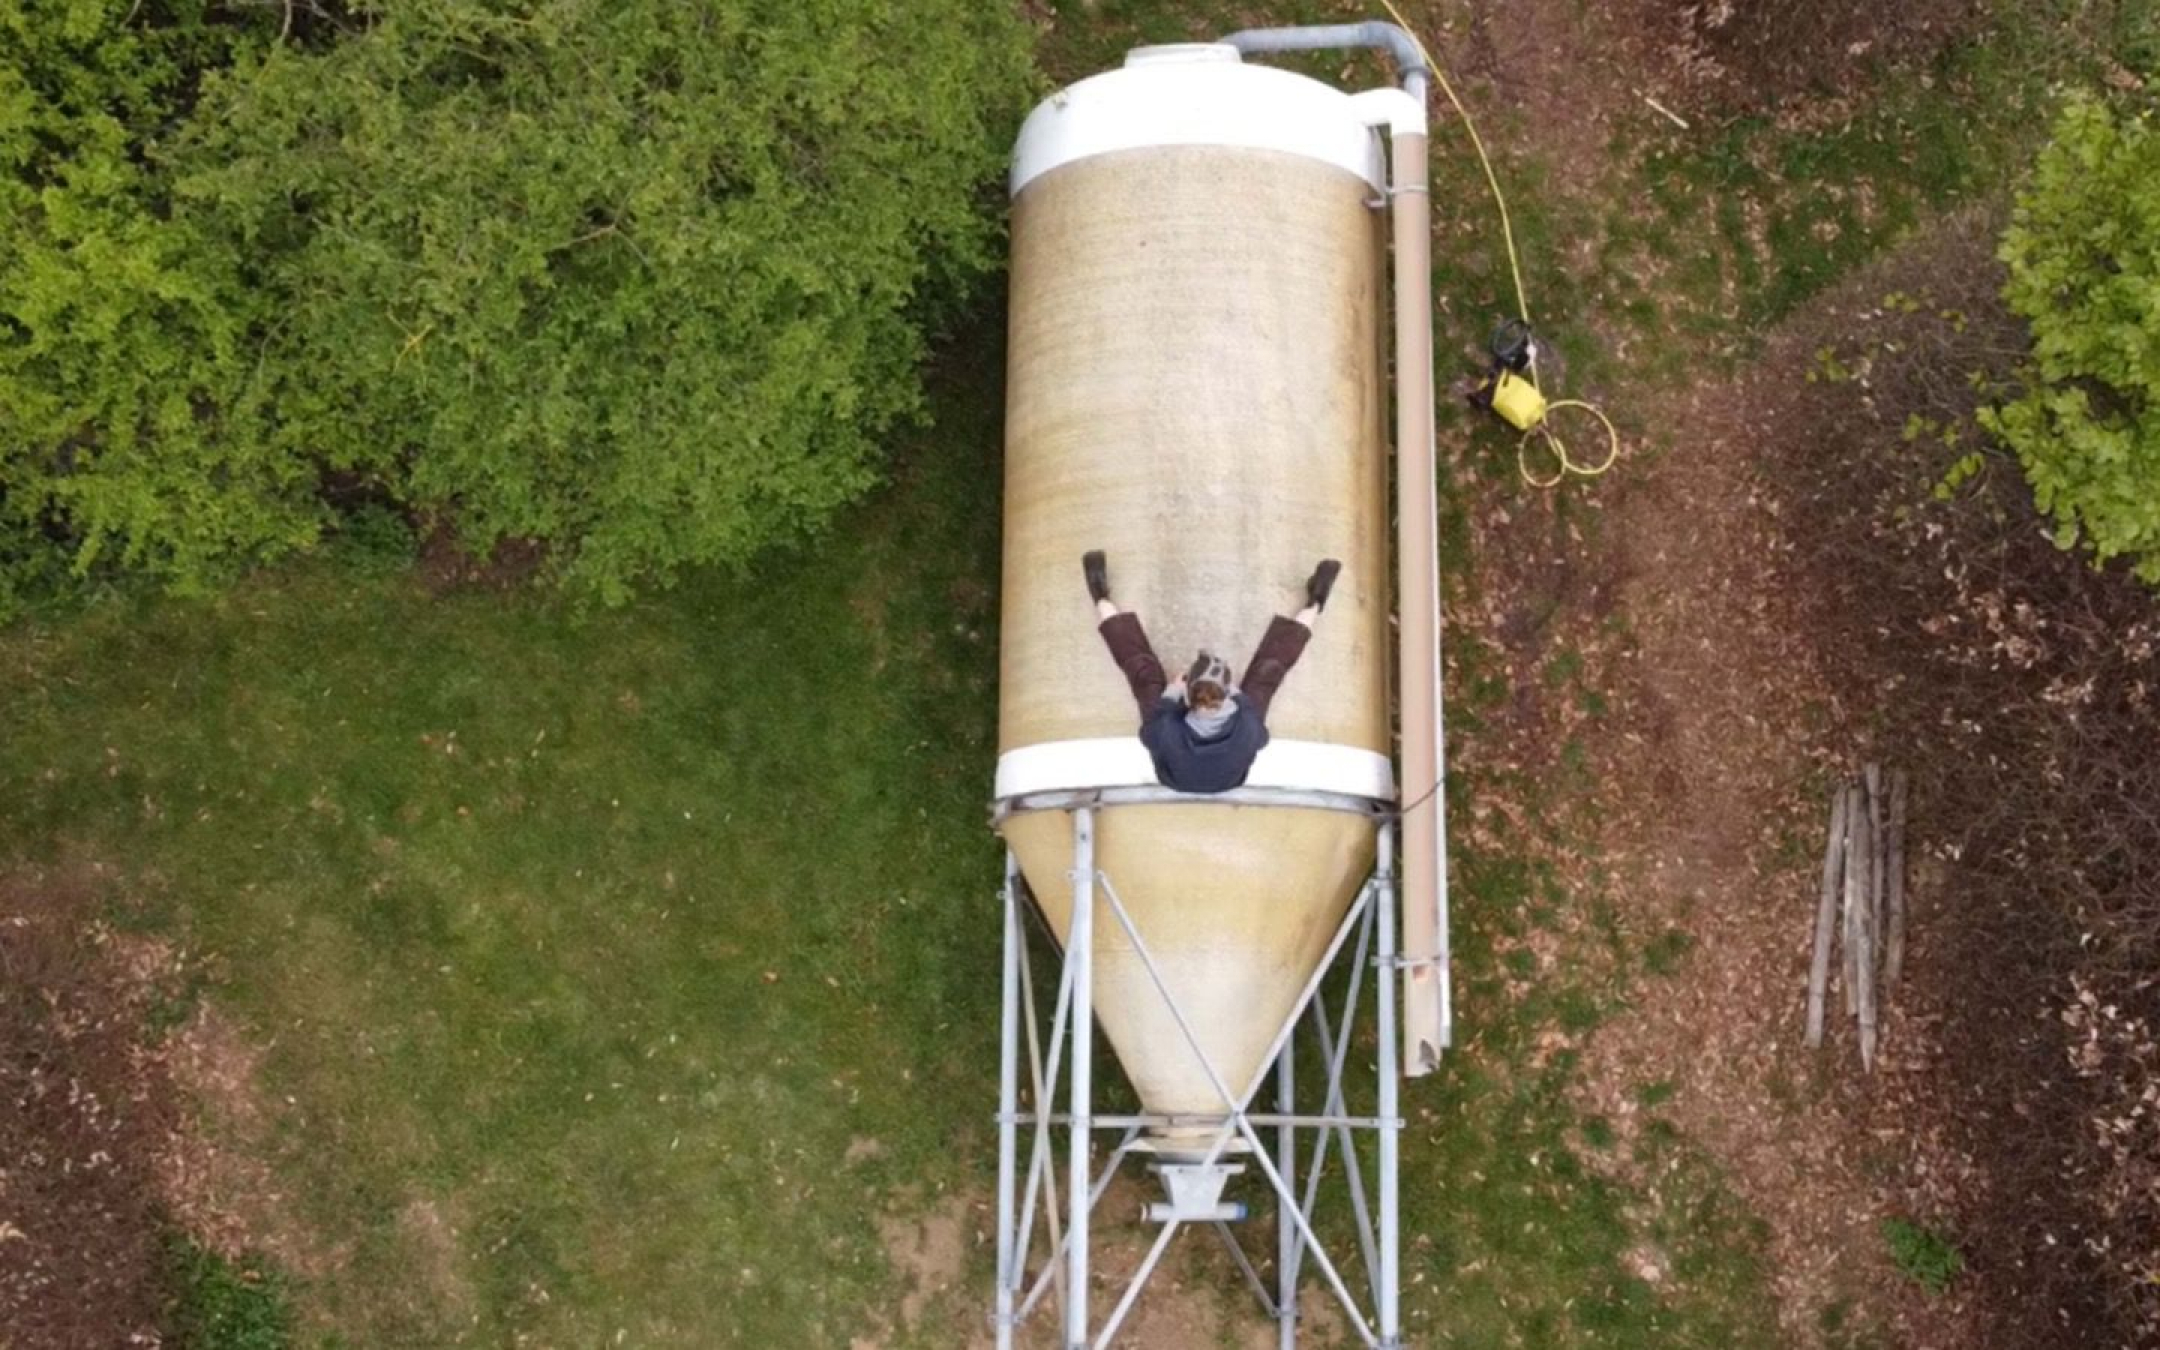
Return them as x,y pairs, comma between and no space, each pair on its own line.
1695,793
1764,605
1713,779
85,1108
1704,778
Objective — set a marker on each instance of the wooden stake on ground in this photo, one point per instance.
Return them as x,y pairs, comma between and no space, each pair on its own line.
1894,905
1855,870
1862,866
1825,916
1878,840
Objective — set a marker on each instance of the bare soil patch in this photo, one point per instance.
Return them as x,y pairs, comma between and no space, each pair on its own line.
1795,602
1195,1298
1743,56
428,1229
107,1154
84,1108
447,564
2019,681
1542,76
213,1169
930,1251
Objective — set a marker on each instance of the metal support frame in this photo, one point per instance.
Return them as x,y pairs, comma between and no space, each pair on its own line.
1031,1268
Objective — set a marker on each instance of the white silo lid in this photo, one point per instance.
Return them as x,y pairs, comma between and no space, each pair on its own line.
1197,93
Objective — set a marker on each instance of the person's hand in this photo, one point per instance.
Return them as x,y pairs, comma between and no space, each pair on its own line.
1176,689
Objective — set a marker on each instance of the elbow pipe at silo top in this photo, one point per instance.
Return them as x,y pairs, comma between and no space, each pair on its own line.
1398,44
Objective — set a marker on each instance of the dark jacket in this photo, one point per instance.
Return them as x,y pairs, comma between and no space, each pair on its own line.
1189,762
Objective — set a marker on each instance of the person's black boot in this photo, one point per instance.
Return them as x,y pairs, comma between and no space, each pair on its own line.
1096,568
1321,582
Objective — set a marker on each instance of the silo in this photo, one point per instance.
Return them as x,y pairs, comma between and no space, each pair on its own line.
1198,384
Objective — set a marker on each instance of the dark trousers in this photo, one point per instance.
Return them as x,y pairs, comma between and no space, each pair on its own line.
1135,658
1280,647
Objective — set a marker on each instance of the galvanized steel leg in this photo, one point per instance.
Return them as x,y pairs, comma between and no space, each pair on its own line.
1286,1252
1008,1256
1389,1128
1041,1180
1079,954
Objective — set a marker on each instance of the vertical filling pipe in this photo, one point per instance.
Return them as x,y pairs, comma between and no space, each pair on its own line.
1424,852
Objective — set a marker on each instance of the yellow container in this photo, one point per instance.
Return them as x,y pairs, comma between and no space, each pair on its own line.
1518,401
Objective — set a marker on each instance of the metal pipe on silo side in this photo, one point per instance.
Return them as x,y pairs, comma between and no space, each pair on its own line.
1389,1276
1424,835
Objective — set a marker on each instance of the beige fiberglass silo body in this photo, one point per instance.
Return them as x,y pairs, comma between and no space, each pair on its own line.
1199,362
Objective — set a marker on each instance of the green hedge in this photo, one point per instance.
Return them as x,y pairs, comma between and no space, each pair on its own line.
125,333
644,280
2084,258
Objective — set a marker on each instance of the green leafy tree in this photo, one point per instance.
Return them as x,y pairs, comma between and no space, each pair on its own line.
643,280
2084,258
124,333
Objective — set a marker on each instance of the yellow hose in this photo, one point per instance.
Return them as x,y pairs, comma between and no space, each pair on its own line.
1522,299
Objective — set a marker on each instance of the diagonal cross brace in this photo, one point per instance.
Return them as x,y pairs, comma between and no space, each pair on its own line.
1334,1053
1236,1106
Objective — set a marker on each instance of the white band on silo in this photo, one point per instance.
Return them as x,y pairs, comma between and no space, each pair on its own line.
1200,94
1121,761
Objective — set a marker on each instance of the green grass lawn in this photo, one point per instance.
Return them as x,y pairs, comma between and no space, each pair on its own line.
604,936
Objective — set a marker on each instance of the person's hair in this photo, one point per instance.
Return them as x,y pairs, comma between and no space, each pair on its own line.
1207,681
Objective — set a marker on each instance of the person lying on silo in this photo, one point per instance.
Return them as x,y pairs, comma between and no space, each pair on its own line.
1203,730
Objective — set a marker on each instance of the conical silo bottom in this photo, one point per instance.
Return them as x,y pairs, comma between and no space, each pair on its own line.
1236,905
